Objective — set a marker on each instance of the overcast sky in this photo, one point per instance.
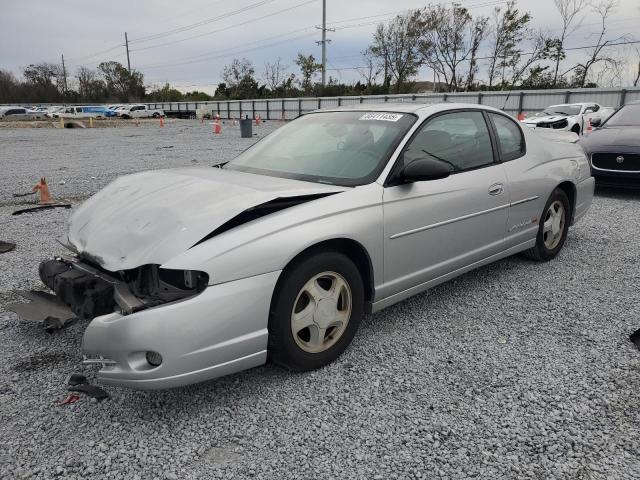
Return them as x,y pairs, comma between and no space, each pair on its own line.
187,43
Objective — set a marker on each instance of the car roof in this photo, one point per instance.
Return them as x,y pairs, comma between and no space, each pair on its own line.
413,107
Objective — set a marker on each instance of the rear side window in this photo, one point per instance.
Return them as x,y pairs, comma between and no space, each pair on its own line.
509,135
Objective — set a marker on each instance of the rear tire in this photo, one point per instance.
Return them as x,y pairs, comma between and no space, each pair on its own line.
553,228
156,115
576,129
315,312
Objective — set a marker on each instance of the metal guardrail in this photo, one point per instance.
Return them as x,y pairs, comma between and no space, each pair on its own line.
513,102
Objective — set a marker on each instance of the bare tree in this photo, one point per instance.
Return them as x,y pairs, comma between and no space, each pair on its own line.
372,67
509,29
451,37
569,11
274,74
599,53
396,45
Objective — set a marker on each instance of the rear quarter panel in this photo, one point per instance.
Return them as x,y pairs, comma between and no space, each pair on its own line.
551,159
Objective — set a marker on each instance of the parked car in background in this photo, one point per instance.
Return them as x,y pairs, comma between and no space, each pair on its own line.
37,113
84,111
614,148
573,117
195,273
17,113
139,111
51,111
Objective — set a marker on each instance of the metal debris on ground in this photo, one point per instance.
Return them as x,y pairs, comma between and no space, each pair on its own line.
635,338
42,207
6,246
76,379
46,199
90,390
43,307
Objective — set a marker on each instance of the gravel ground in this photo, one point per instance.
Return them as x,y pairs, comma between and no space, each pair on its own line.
515,370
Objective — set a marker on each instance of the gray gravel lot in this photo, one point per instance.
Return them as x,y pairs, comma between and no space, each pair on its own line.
515,370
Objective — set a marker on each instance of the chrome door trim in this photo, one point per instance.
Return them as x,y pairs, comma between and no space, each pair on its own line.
464,217
447,222
525,200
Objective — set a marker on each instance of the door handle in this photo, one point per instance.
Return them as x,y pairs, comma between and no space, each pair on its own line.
496,189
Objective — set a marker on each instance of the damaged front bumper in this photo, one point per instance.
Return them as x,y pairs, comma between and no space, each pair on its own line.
155,328
221,331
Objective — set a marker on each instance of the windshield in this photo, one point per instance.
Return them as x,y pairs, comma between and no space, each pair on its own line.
342,148
628,115
562,110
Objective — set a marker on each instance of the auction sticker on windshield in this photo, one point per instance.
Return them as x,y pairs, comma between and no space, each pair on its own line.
386,117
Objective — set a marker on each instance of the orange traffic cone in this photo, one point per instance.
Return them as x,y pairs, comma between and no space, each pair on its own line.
45,195
162,121
521,117
217,128
257,118
589,126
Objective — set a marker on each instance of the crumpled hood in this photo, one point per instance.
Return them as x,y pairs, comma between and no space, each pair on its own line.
545,119
614,136
150,217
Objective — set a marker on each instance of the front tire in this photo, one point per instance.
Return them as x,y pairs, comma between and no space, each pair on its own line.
316,311
553,229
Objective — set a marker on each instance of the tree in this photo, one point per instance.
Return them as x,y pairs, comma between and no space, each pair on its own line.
9,87
90,87
598,53
238,78
569,10
371,69
274,74
166,93
45,82
121,84
451,37
397,48
308,69
509,30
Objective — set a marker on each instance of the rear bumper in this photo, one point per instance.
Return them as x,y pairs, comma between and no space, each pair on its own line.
221,331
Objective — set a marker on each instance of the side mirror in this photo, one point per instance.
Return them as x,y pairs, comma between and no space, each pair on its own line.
595,122
422,169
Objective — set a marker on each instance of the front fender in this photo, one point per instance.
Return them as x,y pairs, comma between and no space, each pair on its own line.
268,244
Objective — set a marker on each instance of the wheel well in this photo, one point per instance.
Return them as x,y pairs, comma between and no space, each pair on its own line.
356,252
570,190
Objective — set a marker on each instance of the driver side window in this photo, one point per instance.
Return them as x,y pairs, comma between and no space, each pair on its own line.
459,139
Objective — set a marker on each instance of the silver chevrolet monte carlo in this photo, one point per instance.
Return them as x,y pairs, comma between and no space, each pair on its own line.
195,273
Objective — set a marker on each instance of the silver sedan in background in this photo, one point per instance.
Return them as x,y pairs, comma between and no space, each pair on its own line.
194,273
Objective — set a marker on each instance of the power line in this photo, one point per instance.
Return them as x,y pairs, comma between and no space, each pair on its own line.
612,44
240,24
185,28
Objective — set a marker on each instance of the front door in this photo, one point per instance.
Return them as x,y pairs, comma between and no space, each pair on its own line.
435,227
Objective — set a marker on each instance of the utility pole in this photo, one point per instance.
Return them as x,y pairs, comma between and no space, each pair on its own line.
126,44
64,75
324,41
